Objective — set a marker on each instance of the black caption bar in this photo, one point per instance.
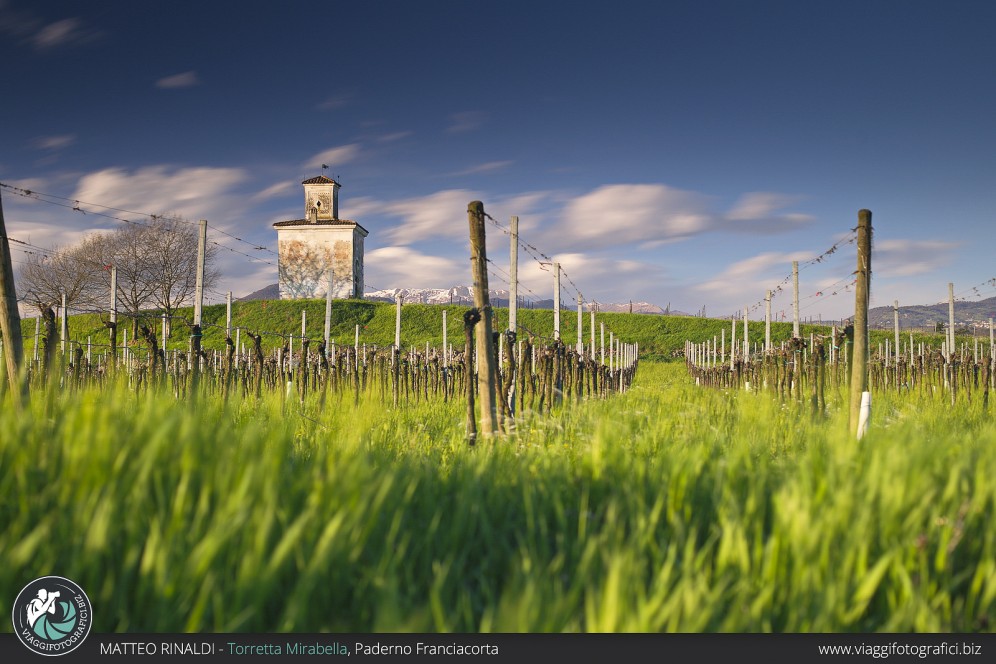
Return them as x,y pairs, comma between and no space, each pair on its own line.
770,648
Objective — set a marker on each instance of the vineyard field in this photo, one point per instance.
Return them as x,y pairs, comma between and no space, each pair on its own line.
670,507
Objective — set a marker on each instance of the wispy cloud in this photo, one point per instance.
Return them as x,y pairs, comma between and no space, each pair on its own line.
763,212
334,157
488,167
66,32
466,121
185,79
29,28
751,274
278,189
54,143
335,102
395,136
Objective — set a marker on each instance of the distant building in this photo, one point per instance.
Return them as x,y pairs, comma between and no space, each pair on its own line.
308,248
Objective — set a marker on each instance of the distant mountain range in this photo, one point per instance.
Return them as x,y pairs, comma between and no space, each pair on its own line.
967,314
464,295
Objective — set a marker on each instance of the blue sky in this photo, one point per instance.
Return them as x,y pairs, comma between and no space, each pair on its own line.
679,152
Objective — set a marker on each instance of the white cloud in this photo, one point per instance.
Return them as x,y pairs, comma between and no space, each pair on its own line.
907,258
403,267
441,213
182,80
195,193
633,213
334,157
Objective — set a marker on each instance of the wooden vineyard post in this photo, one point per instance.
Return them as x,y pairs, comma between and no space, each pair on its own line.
591,347
195,331
580,347
513,271
228,315
485,341
445,362
767,322
112,324
733,342
470,319
746,335
895,325
63,330
859,364
951,323
817,374
556,301
601,327
509,388
950,367
795,299
10,318
397,322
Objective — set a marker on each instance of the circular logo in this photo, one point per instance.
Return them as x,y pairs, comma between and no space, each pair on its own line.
52,615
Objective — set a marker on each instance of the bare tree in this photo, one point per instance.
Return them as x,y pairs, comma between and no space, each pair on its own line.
70,270
126,249
171,243
156,269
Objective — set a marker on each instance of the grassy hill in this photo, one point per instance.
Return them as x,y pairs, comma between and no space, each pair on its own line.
658,336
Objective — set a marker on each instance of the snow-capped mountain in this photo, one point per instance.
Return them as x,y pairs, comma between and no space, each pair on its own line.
464,295
499,298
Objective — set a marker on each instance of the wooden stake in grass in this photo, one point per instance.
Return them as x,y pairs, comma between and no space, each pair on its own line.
10,318
859,366
112,324
513,281
195,331
485,343
470,319
895,325
795,299
556,301
767,322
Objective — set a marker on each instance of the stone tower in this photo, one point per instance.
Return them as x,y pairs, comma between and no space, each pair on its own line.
309,247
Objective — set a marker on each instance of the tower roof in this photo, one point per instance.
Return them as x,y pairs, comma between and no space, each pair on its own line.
320,179
305,223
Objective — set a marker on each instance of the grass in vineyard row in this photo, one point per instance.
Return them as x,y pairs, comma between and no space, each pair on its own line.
667,508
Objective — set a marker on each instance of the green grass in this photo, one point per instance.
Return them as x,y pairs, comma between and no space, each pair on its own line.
667,508
658,336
